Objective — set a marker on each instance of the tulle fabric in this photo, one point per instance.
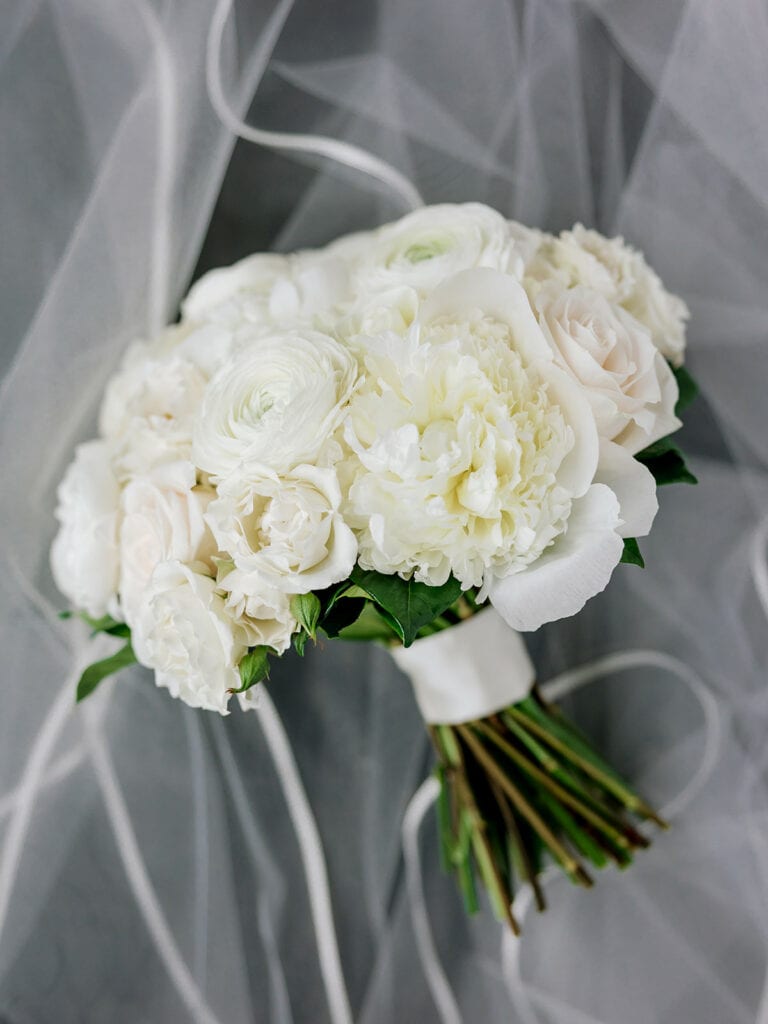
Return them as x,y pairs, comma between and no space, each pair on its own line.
162,865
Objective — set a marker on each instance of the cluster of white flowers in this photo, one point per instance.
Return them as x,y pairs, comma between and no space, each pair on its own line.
449,395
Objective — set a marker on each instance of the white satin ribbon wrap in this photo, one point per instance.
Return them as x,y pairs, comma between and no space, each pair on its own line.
469,671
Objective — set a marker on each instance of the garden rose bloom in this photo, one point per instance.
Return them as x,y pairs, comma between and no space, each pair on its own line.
184,633
285,531
84,556
162,520
621,274
260,610
268,290
149,408
631,389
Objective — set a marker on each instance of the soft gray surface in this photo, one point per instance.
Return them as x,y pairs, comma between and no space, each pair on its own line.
648,119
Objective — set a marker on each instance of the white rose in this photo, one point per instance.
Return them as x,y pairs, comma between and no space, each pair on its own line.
285,531
184,633
262,611
426,246
162,520
631,389
84,556
268,291
148,410
616,270
276,404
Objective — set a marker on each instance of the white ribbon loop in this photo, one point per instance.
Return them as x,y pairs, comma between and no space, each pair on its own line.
469,671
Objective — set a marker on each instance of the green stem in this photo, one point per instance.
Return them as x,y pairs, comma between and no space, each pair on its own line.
570,864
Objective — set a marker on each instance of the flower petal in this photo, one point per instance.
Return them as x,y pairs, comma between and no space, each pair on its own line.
578,566
634,486
497,295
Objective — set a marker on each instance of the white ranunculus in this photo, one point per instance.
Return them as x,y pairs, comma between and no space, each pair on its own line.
184,632
621,274
262,611
148,410
162,520
428,245
285,530
630,387
276,404
470,446
84,556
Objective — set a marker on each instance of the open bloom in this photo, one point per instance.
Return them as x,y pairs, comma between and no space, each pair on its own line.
184,632
262,611
276,404
621,274
475,455
162,520
426,246
267,290
84,556
627,382
285,531
148,410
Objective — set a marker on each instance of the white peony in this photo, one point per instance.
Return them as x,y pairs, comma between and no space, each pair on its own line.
285,531
621,274
276,404
630,387
162,520
148,410
184,632
392,311
470,445
428,245
84,556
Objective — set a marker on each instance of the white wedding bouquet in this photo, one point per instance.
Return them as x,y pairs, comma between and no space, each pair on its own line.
433,435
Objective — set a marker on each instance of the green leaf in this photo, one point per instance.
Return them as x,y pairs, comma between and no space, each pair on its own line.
306,609
370,625
407,604
300,642
667,464
254,666
341,615
106,624
99,670
631,554
687,387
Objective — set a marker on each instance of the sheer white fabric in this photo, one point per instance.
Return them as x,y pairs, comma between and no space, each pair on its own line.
161,865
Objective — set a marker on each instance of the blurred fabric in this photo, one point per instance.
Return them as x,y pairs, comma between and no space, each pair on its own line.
150,868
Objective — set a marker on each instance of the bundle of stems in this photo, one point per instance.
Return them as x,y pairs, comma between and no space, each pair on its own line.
522,787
